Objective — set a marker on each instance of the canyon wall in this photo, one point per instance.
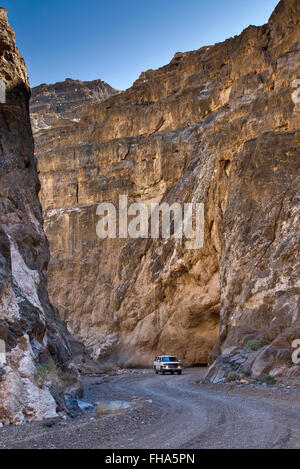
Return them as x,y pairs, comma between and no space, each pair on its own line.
218,126
30,329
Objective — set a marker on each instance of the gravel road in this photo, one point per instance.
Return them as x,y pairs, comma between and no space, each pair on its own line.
171,412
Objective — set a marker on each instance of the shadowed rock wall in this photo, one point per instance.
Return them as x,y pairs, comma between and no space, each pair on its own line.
30,328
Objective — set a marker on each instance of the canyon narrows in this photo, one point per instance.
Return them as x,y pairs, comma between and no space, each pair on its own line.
31,331
218,126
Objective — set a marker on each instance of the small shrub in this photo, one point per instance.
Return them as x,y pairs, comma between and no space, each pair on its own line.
246,373
110,408
109,368
44,372
66,379
232,376
104,408
53,372
252,346
268,379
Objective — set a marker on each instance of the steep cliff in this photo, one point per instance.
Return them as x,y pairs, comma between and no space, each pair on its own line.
30,329
219,126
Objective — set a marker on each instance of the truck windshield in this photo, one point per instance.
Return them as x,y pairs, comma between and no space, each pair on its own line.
169,359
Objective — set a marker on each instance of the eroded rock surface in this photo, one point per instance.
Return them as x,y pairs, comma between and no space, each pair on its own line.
65,100
30,328
219,125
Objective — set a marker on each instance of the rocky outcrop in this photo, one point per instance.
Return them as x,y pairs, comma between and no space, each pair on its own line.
30,329
219,126
65,100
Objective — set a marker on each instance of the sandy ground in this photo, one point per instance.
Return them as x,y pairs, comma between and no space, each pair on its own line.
171,412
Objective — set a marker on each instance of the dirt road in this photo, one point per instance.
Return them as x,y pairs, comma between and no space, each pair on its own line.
172,412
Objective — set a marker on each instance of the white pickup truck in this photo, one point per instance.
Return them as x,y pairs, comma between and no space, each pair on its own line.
167,364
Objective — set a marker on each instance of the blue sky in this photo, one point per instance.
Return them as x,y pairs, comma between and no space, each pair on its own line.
116,40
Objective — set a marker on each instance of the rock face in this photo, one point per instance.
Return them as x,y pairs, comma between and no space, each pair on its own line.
218,126
65,100
30,328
